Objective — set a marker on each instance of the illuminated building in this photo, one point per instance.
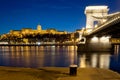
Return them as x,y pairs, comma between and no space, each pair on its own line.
37,31
28,35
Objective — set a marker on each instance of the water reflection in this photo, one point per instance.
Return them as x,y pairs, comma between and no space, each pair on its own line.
116,49
58,56
99,60
107,60
38,56
115,59
115,63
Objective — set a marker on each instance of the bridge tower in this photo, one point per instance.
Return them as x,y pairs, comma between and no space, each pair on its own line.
93,16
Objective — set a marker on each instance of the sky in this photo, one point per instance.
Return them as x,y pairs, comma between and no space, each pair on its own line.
63,15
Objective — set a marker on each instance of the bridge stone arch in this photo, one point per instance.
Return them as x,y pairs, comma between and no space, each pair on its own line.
95,15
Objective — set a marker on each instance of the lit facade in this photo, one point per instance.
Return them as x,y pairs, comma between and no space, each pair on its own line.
28,35
93,16
39,30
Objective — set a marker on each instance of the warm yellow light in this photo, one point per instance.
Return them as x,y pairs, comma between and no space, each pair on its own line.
104,20
89,30
94,60
96,26
104,39
108,37
94,39
83,61
83,28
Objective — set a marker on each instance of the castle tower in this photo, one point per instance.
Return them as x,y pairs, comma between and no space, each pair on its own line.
39,28
92,12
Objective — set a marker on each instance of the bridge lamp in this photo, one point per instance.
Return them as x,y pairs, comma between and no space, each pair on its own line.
83,28
96,26
104,39
94,39
108,37
104,20
38,43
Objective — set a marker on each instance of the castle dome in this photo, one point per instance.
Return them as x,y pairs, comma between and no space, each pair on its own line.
39,27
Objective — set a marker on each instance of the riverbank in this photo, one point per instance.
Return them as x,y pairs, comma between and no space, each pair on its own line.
56,73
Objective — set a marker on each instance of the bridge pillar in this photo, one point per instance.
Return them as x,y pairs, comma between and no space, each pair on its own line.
96,44
93,14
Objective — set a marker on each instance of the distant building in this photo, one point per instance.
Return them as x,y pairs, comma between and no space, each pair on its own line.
39,28
28,35
37,31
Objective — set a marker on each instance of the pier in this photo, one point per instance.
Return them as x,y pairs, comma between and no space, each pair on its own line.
56,73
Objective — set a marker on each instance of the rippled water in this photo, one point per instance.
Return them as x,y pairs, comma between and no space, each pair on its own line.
57,56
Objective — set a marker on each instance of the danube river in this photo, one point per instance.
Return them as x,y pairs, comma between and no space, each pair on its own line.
57,56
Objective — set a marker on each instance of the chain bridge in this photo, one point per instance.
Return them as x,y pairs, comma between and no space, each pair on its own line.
102,30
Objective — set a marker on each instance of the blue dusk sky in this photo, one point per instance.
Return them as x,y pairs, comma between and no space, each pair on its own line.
63,15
